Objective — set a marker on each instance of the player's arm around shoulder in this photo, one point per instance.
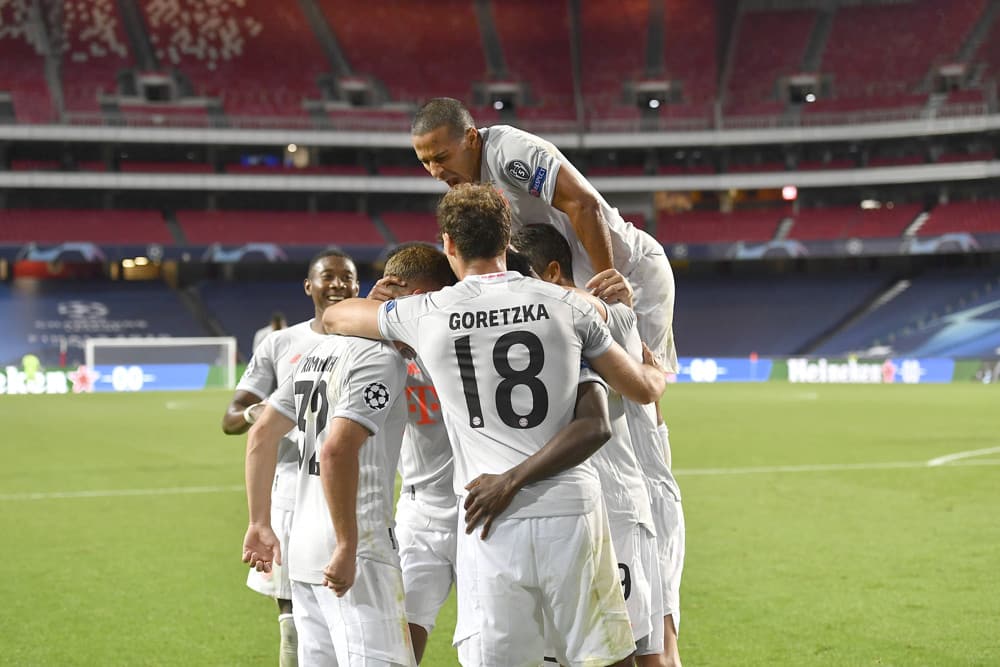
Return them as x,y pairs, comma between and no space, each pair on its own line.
353,317
642,383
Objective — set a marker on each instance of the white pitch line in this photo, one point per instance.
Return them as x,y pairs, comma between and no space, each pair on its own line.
892,465
957,456
114,493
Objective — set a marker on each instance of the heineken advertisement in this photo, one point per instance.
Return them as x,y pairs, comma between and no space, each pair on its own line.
820,370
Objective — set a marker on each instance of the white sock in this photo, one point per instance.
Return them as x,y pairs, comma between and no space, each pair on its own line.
288,654
661,430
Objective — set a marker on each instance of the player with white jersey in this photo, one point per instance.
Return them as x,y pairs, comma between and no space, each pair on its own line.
505,352
542,186
346,400
331,278
623,484
427,511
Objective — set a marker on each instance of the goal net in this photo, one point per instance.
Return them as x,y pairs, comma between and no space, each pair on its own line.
151,364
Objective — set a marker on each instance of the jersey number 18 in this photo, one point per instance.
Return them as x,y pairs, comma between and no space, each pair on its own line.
527,377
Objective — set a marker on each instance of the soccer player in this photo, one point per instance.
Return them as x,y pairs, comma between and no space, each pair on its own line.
623,484
427,512
505,354
345,399
543,186
331,278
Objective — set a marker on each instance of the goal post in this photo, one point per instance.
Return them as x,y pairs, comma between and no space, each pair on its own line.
161,363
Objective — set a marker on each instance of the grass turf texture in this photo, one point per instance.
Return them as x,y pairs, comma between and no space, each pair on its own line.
880,566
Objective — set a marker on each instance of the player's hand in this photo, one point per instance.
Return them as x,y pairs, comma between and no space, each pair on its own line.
261,548
611,287
385,288
489,496
339,573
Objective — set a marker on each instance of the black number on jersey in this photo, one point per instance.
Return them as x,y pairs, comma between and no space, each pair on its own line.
626,580
313,398
527,377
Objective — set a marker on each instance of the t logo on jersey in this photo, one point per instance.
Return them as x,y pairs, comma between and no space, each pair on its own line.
423,402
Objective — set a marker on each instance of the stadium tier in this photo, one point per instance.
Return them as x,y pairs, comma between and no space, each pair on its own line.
281,227
926,298
714,227
37,314
202,54
769,45
19,226
739,315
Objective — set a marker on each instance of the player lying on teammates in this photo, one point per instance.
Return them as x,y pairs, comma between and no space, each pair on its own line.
635,475
542,186
505,354
331,278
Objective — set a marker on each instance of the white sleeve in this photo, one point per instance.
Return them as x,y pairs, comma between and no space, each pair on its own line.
595,337
399,319
283,398
261,374
373,382
527,164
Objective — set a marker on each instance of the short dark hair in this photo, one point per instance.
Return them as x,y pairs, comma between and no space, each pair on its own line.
440,111
518,261
477,219
543,244
331,251
420,262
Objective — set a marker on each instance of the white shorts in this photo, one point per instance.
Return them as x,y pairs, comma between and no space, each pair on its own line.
652,280
652,643
427,536
668,516
275,583
632,562
365,628
529,574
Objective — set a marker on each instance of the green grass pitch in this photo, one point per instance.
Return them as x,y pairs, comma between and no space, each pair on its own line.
792,559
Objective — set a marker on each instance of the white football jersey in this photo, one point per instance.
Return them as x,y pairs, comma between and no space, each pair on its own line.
425,461
360,380
525,167
626,496
505,354
272,363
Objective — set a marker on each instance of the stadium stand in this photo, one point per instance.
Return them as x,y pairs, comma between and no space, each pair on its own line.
57,226
22,67
620,30
535,37
971,329
735,316
902,40
76,310
94,51
228,51
842,222
688,58
444,54
715,226
283,227
411,226
965,216
769,45
928,297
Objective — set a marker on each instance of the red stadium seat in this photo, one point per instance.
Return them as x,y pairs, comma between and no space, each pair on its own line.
95,226
282,227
